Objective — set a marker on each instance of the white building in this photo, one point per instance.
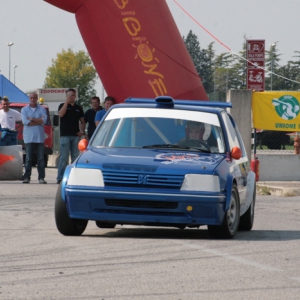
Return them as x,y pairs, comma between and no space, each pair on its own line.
52,96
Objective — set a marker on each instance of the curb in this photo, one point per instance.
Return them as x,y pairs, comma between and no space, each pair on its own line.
266,189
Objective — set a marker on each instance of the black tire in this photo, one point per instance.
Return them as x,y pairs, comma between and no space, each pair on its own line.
105,224
64,224
247,219
231,220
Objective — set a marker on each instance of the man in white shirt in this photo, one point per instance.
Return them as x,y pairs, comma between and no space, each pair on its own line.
8,119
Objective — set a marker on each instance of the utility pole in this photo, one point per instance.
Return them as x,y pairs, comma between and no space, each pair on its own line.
9,50
15,66
272,62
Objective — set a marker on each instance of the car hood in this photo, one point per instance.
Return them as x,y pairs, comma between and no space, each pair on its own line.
162,160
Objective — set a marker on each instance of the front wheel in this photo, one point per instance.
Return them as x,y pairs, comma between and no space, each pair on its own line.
64,224
231,220
247,219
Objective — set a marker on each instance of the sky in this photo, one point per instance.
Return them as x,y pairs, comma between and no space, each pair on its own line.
39,31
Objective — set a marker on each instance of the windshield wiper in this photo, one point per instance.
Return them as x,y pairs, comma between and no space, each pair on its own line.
165,146
169,146
200,149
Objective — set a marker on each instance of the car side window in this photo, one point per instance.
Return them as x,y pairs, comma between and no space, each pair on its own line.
231,132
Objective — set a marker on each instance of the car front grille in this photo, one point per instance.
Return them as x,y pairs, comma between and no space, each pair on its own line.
141,204
128,179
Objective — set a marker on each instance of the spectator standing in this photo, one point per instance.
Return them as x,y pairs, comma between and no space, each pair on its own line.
89,116
34,117
70,115
8,119
108,102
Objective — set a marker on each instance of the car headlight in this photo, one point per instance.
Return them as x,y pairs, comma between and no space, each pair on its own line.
86,177
201,183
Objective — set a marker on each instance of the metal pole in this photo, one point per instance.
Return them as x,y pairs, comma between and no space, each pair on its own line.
254,136
271,71
9,63
15,74
214,80
272,61
9,46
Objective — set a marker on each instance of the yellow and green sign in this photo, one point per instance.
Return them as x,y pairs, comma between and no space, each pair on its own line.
276,110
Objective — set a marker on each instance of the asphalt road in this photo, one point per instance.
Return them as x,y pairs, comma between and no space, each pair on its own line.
37,262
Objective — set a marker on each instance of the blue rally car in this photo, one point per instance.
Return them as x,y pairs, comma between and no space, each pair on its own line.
160,162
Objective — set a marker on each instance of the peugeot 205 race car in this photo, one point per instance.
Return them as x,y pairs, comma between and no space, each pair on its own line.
160,162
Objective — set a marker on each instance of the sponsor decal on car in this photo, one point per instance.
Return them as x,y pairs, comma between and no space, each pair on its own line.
182,157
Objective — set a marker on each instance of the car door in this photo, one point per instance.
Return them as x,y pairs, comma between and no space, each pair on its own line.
239,168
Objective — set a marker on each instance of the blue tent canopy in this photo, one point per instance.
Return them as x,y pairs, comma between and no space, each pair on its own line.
13,93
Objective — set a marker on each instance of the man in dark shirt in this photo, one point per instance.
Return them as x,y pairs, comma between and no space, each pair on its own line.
70,115
89,116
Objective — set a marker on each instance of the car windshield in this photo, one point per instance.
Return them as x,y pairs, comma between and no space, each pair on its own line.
160,128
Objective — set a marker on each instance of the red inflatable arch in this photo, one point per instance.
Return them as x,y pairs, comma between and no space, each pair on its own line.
136,48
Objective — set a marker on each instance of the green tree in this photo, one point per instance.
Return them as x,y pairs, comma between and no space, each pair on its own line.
297,62
222,76
202,59
210,54
295,66
285,77
239,67
229,71
272,65
73,69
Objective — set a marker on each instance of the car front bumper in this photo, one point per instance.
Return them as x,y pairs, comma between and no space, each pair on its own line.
156,208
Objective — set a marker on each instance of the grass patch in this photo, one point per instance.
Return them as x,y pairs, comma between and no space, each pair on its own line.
263,190
290,194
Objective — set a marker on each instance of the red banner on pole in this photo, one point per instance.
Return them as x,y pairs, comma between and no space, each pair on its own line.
255,53
255,64
256,79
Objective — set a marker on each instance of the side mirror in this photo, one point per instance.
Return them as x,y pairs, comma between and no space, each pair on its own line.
236,153
82,145
55,120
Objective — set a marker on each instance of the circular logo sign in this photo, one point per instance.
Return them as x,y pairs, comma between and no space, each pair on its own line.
287,107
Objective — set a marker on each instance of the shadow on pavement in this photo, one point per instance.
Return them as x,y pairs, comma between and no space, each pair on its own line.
194,234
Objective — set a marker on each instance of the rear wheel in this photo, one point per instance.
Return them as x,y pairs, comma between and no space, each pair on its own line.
247,219
64,223
231,220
